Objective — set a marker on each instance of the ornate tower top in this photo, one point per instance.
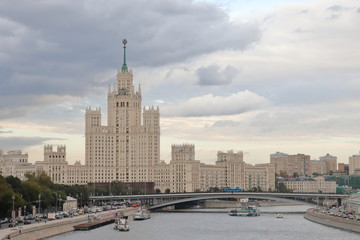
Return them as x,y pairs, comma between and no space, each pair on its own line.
124,67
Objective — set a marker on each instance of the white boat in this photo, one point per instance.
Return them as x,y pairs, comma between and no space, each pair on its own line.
121,224
279,215
141,215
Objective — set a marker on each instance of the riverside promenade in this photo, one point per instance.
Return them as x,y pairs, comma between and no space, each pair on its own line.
332,221
51,228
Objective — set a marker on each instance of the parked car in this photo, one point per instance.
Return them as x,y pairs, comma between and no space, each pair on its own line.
13,224
29,217
27,222
5,220
19,219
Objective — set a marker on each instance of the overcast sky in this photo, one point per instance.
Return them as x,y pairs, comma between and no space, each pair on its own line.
256,76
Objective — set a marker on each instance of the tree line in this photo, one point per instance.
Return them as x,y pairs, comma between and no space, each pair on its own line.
16,194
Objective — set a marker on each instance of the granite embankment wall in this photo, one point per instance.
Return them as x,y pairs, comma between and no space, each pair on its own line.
52,228
333,221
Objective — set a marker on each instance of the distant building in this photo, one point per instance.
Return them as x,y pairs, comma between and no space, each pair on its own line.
291,164
301,164
260,177
15,163
343,168
309,185
354,163
330,163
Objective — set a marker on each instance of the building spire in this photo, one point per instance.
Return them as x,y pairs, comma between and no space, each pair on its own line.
124,67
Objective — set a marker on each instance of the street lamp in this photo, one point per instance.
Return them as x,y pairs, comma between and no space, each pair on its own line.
56,196
13,209
39,202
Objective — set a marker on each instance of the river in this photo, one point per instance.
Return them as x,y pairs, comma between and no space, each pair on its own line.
217,226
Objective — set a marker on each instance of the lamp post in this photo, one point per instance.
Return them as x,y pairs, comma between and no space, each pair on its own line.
60,199
13,207
39,202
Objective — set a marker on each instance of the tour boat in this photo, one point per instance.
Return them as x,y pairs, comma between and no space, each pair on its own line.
121,224
141,215
245,211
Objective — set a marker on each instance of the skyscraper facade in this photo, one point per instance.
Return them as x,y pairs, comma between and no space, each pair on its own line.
129,146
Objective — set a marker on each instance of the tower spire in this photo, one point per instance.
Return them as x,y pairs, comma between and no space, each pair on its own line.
124,67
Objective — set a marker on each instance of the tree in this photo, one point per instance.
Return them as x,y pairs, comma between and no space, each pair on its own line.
281,187
118,188
295,175
283,174
214,189
15,183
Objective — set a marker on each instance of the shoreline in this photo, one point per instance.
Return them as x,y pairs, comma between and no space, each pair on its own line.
56,227
332,221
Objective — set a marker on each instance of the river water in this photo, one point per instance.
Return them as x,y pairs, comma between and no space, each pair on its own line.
217,226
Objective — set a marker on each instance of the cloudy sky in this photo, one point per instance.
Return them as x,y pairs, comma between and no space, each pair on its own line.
257,76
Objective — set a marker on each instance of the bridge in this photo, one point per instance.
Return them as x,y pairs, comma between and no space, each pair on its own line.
158,201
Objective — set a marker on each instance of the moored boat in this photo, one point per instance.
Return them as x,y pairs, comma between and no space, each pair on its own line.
141,215
279,215
121,224
245,211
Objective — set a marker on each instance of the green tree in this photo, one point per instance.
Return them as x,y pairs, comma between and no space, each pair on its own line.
282,188
118,188
283,174
6,201
295,175
15,183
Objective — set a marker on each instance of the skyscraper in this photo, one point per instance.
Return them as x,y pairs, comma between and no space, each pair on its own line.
128,147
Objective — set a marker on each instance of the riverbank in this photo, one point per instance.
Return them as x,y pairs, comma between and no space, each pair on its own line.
332,221
51,228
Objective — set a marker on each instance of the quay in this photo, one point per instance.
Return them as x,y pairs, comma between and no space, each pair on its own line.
55,227
332,221
93,225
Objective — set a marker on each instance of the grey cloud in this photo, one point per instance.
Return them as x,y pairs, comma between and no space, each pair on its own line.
210,105
335,8
60,47
213,75
225,123
11,143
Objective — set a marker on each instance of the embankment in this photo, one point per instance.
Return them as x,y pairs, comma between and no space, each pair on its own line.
333,221
51,228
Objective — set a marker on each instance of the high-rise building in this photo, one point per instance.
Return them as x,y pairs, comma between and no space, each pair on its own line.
354,163
291,164
343,168
330,163
129,146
